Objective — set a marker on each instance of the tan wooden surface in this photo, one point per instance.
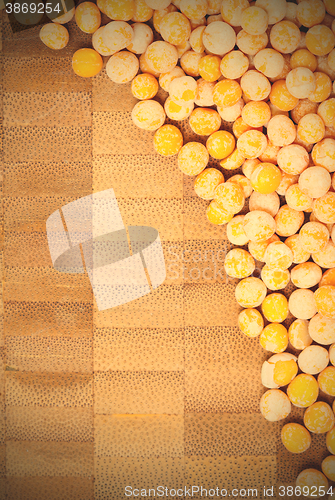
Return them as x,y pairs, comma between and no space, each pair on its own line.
163,390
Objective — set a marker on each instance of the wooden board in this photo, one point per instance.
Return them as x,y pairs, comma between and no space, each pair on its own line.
161,391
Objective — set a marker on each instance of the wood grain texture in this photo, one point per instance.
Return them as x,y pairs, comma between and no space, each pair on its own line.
162,390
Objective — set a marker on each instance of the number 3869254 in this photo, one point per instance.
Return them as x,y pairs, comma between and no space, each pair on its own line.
38,8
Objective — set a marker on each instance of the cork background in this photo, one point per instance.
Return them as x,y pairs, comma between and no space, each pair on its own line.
161,391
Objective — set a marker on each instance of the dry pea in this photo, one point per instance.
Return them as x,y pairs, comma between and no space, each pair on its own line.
241,180
300,254
281,97
88,17
274,278
205,121
176,111
314,236
251,144
231,113
148,115
122,67
217,215
326,380
142,38
274,338
193,158
279,370
306,275
319,418
311,477
250,292
295,438
117,35
54,36
259,226
235,231
321,330
298,334
302,304
297,199
266,178
278,255
315,181
269,203
229,196
219,38
313,359
207,182
275,405
327,466
275,308
251,322
303,391
239,263
168,140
